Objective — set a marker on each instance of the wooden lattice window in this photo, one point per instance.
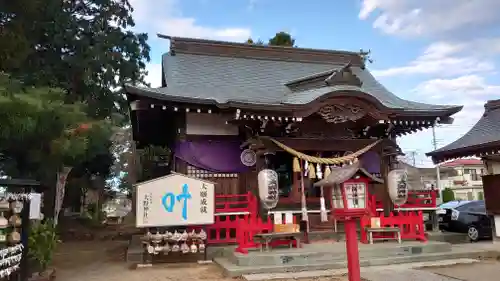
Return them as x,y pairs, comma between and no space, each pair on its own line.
201,173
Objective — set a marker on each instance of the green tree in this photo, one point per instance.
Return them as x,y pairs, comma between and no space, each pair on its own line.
480,195
39,132
448,195
282,39
251,42
84,47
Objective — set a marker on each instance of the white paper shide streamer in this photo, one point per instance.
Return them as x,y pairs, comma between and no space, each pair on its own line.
397,183
268,188
9,260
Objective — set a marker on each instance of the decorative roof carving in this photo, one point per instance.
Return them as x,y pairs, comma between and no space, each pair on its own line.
338,76
340,113
343,76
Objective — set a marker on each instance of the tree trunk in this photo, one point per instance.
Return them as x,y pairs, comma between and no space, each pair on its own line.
134,167
49,196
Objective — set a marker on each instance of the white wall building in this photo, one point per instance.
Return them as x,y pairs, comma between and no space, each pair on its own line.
465,180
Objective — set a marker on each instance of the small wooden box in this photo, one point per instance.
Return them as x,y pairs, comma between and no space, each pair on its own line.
288,227
375,222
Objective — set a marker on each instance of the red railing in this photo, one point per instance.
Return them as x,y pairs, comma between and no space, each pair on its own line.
236,203
411,225
247,228
240,210
229,209
416,199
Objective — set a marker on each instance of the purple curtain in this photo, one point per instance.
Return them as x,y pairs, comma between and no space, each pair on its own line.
220,156
211,155
371,162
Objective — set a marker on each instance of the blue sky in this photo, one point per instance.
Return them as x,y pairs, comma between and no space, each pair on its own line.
443,52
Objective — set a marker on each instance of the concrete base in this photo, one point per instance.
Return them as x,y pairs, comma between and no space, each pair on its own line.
325,256
135,250
324,252
449,237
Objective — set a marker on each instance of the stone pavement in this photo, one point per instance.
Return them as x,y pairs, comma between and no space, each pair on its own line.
367,272
483,271
403,275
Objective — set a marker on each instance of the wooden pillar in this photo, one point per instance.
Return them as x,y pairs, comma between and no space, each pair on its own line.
296,192
387,159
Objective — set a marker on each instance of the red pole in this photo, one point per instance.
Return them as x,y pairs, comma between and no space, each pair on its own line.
351,244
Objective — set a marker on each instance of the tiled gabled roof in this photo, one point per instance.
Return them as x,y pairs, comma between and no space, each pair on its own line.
462,162
484,136
214,72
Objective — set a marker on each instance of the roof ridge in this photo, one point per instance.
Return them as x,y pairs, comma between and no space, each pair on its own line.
238,49
243,44
491,105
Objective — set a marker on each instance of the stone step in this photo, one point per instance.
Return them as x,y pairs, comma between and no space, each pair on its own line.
450,237
232,270
318,235
329,252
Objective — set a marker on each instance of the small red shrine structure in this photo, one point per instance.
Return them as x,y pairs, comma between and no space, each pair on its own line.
227,110
350,204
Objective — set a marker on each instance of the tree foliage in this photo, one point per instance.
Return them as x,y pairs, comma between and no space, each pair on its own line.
39,132
280,39
448,195
258,42
86,50
84,47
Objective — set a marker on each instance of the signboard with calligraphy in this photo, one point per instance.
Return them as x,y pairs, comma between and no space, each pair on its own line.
175,200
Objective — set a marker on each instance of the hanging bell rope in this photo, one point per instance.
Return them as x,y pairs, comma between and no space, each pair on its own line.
330,161
296,165
327,171
312,171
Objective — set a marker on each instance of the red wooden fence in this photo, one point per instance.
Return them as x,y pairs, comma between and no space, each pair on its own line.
416,199
234,213
229,209
410,223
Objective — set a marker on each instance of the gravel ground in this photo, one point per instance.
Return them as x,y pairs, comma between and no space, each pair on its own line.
104,261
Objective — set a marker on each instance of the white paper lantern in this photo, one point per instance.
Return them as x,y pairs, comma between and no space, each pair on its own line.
268,188
397,183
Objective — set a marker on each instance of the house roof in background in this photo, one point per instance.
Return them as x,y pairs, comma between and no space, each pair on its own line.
482,138
462,162
238,74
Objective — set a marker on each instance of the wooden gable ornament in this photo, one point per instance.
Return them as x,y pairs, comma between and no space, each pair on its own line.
343,76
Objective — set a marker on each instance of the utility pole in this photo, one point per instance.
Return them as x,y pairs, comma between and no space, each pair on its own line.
413,155
438,175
